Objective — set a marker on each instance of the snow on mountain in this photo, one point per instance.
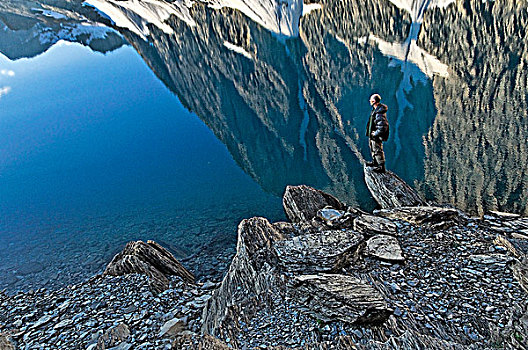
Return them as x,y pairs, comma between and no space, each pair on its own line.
307,8
416,8
49,13
409,51
278,16
416,64
237,49
135,15
74,31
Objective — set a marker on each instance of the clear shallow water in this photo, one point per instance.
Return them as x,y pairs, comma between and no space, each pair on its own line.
96,151
99,150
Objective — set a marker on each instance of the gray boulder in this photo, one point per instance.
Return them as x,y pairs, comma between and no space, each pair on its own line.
321,251
371,225
301,203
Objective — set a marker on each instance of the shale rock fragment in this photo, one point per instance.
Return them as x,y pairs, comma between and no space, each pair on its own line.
321,251
424,215
149,259
371,225
333,296
385,248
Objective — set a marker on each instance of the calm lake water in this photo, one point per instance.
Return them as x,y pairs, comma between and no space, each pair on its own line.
174,124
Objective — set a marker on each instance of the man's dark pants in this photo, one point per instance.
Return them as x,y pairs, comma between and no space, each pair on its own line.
376,150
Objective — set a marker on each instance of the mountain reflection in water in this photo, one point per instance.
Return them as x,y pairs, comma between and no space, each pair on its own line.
290,102
280,105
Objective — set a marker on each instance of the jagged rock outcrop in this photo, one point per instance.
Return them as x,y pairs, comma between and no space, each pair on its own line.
297,265
415,280
251,275
301,203
390,191
149,259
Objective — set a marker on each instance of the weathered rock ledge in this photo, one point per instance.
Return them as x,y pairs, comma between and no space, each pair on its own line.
335,277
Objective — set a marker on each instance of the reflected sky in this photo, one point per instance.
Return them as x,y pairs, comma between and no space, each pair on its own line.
79,126
88,135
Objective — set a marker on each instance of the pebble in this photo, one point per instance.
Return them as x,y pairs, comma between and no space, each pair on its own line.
81,327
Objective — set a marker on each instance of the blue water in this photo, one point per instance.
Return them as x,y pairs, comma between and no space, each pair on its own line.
96,151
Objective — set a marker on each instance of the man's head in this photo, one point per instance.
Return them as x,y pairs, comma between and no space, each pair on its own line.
374,100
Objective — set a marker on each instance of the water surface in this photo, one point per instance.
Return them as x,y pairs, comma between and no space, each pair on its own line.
96,151
194,118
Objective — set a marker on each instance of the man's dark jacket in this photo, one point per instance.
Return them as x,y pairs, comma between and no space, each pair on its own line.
378,123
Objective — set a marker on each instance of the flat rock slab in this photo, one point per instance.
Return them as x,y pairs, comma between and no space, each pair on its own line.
423,215
504,215
331,297
321,251
491,259
372,225
390,191
384,247
301,203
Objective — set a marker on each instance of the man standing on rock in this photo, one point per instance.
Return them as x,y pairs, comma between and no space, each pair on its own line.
377,132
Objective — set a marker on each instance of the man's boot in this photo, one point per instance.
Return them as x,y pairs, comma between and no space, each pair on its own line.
380,168
371,164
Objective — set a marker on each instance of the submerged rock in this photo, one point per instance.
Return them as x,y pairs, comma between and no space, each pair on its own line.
150,259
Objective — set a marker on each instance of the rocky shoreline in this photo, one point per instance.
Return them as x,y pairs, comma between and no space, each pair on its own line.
334,277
